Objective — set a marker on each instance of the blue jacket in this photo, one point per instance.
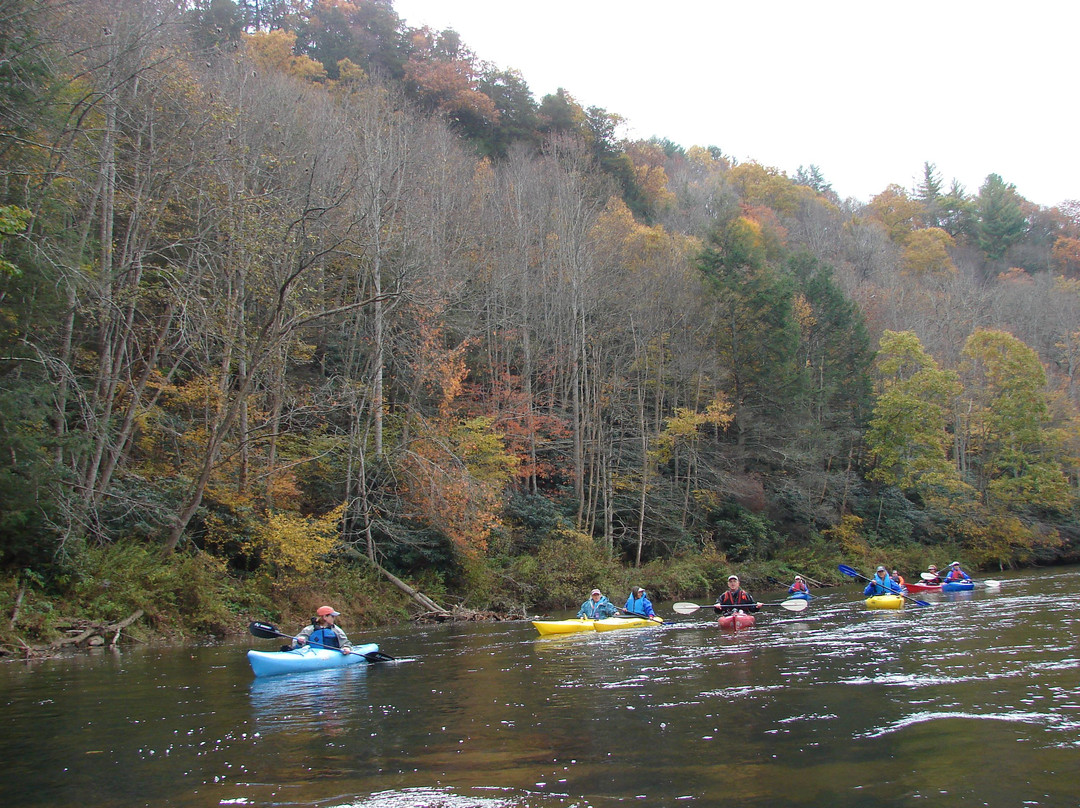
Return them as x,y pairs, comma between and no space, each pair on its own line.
597,609
639,606
880,586
955,575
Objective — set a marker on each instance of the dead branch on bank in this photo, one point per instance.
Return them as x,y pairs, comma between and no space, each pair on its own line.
86,631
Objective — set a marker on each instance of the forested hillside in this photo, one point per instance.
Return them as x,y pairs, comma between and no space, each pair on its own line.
290,289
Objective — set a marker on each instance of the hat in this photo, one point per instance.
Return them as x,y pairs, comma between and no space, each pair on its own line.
637,590
324,611
733,577
955,564
596,592
798,577
933,566
881,569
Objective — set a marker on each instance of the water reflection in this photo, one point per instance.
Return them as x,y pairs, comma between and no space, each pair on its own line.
325,700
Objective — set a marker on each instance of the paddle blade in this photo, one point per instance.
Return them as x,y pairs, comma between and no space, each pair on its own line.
991,584
264,630
379,656
795,604
927,576
844,568
685,608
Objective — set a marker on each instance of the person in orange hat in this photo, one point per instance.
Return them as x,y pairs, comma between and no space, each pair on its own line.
324,632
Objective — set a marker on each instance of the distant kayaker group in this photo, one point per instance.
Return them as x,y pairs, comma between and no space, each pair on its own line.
884,583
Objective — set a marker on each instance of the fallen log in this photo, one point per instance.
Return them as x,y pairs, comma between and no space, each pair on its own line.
95,630
458,614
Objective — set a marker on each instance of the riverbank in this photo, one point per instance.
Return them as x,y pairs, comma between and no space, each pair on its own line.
130,593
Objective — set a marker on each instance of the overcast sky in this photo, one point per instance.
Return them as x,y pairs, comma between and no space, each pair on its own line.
866,91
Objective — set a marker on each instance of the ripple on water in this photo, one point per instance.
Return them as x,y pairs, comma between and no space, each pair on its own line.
1043,720
445,798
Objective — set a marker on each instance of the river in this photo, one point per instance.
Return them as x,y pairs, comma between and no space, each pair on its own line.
973,700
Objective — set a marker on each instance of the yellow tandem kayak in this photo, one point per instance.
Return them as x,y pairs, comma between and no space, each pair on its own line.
546,627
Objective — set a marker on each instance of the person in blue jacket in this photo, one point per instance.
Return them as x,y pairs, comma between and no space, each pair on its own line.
323,632
882,584
956,574
597,607
638,604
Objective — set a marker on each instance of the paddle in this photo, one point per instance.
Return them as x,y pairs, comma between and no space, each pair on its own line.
844,568
929,576
796,605
628,613
268,632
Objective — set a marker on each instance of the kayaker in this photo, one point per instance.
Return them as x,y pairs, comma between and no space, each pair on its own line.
956,574
735,597
899,579
597,607
882,584
799,587
936,579
638,604
323,632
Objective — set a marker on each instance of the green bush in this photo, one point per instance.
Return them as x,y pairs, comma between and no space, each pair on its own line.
569,567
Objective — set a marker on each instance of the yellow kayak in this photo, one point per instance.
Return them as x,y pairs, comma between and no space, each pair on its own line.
546,627
612,623
885,602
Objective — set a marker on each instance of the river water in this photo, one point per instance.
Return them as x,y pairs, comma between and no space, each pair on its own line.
974,700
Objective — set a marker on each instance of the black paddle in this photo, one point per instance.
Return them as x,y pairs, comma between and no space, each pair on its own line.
268,632
628,613
844,568
793,605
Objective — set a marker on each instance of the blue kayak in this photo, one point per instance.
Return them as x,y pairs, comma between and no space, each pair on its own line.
957,586
800,596
272,663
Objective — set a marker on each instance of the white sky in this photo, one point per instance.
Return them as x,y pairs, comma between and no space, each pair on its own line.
867,91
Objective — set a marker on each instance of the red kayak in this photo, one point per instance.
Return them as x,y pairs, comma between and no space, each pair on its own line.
736,621
924,587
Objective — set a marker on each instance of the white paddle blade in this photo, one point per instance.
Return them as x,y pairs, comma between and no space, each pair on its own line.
927,576
685,608
795,604
991,584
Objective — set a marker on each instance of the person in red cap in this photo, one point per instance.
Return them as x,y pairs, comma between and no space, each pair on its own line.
323,632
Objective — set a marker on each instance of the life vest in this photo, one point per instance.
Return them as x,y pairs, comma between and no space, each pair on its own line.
737,598
879,586
798,586
639,606
324,638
